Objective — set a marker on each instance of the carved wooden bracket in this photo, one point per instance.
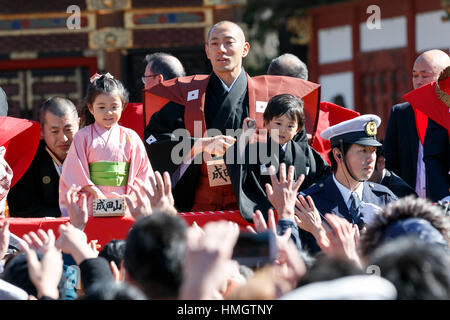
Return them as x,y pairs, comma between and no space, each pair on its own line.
301,27
111,38
113,5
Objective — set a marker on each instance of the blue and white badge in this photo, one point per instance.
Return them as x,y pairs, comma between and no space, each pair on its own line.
192,95
151,139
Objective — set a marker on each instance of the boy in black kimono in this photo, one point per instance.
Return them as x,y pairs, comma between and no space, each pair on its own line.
248,168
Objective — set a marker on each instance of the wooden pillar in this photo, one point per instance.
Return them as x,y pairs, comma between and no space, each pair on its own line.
411,34
113,57
357,101
313,50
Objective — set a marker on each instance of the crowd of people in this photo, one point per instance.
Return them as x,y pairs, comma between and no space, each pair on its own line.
364,219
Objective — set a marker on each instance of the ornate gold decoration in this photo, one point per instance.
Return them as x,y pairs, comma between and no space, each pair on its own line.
110,5
224,2
110,38
301,27
136,19
443,96
44,23
371,128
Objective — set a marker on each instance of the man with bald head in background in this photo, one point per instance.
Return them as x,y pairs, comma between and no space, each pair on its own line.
288,65
403,143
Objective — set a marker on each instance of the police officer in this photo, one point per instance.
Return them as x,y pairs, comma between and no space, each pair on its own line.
345,192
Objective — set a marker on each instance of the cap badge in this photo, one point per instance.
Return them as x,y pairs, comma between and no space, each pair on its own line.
371,128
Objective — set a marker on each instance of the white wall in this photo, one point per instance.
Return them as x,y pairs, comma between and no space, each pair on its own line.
338,83
431,31
335,44
392,34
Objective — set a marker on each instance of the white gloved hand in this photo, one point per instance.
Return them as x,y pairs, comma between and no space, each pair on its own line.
369,211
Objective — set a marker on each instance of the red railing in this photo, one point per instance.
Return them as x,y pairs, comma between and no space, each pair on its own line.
105,229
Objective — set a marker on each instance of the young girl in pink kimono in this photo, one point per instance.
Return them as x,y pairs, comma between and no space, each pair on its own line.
104,158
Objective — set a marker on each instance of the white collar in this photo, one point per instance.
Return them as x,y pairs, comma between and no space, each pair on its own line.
346,193
284,147
58,167
384,175
231,86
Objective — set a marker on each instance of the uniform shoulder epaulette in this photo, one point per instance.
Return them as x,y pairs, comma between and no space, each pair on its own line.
315,188
376,187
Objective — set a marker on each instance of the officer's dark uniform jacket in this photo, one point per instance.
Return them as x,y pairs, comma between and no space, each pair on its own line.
326,195
328,199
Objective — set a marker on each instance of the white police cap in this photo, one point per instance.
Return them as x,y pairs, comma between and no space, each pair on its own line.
361,130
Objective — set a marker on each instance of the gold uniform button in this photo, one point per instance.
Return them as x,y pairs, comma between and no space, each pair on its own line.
321,185
46,179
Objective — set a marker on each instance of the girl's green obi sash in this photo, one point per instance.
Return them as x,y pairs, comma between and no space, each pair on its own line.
111,174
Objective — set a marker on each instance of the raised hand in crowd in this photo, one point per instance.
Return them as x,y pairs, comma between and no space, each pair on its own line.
73,241
208,265
46,273
157,197
162,198
6,175
142,195
4,238
118,274
95,192
341,239
289,265
282,193
93,244
260,222
262,226
308,217
78,216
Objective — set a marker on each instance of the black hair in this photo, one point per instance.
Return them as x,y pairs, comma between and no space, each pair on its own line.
154,254
417,270
57,106
114,250
105,84
326,268
16,273
110,290
404,208
380,150
285,104
164,64
333,162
